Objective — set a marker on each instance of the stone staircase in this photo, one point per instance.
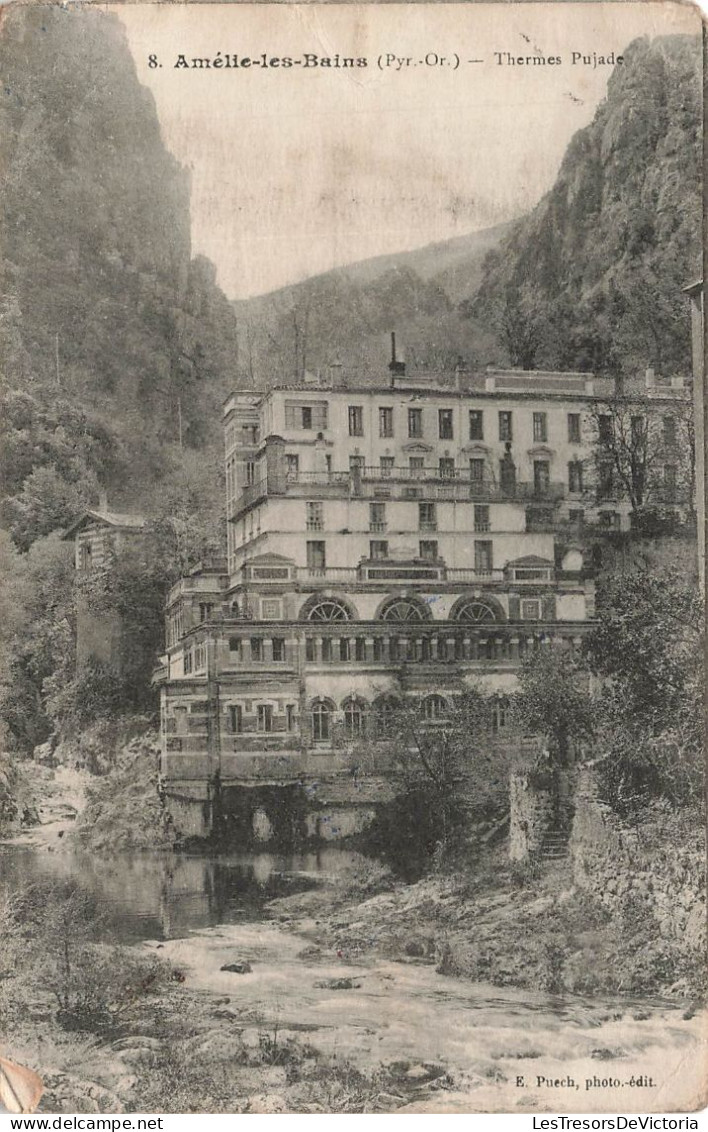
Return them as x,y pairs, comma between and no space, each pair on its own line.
555,844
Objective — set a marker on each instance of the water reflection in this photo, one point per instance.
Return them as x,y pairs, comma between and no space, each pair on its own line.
167,895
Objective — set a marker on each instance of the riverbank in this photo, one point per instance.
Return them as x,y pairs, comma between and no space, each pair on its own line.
530,928
256,1018
358,993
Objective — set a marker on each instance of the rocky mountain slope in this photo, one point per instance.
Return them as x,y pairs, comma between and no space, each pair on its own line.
592,277
112,333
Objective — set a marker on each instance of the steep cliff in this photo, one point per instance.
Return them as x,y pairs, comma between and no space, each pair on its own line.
592,277
111,330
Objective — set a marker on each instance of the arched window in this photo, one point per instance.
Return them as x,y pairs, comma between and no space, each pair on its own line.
328,609
321,715
354,718
477,610
386,709
435,707
405,609
235,609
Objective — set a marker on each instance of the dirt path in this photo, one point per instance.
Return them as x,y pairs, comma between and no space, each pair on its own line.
496,1043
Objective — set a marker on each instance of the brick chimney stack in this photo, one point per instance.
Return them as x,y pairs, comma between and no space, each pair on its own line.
396,366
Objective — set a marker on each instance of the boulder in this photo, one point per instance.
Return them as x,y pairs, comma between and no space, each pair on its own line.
338,984
241,967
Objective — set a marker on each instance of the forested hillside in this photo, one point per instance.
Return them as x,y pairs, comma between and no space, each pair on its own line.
111,331
117,350
349,313
592,278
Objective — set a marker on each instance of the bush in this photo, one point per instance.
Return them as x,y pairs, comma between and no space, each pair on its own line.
54,930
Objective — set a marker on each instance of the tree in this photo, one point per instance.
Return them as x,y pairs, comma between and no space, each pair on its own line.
521,328
642,453
554,702
451,773
647,649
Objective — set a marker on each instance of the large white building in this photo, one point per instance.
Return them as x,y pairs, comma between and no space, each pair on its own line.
385,541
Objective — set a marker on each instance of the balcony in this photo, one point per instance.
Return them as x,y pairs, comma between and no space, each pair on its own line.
378,527
397,483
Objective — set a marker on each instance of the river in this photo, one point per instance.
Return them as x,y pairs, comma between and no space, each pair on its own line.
501,1045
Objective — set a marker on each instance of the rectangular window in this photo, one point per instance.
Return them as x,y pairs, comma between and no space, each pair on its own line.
576,515
669,431
637,429
356,420
205,608
477,470
386,464
344,649
290,717
299,416
428,549
378,650
540,427
314,516
447,468
256,649
250,473
575,476
427,517
271,609
481,517
378,548
187,662
278,648
310,648
574,428
445,424
530,610
377,517
360,653
605,480
326,649
356,464
483,557
505,426
235,646
264,717
604,428
476,424
235,718
415,422
417,466
316,558
386,422
541,476
292,467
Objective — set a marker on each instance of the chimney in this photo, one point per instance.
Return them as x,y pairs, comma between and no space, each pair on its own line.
103,501
460,370
649,378
335,373
397,368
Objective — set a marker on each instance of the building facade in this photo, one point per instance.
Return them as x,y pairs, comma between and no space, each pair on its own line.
386,543
99,535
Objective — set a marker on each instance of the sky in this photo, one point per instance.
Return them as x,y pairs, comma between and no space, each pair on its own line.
298,170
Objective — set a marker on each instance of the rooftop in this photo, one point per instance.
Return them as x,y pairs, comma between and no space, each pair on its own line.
115,519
